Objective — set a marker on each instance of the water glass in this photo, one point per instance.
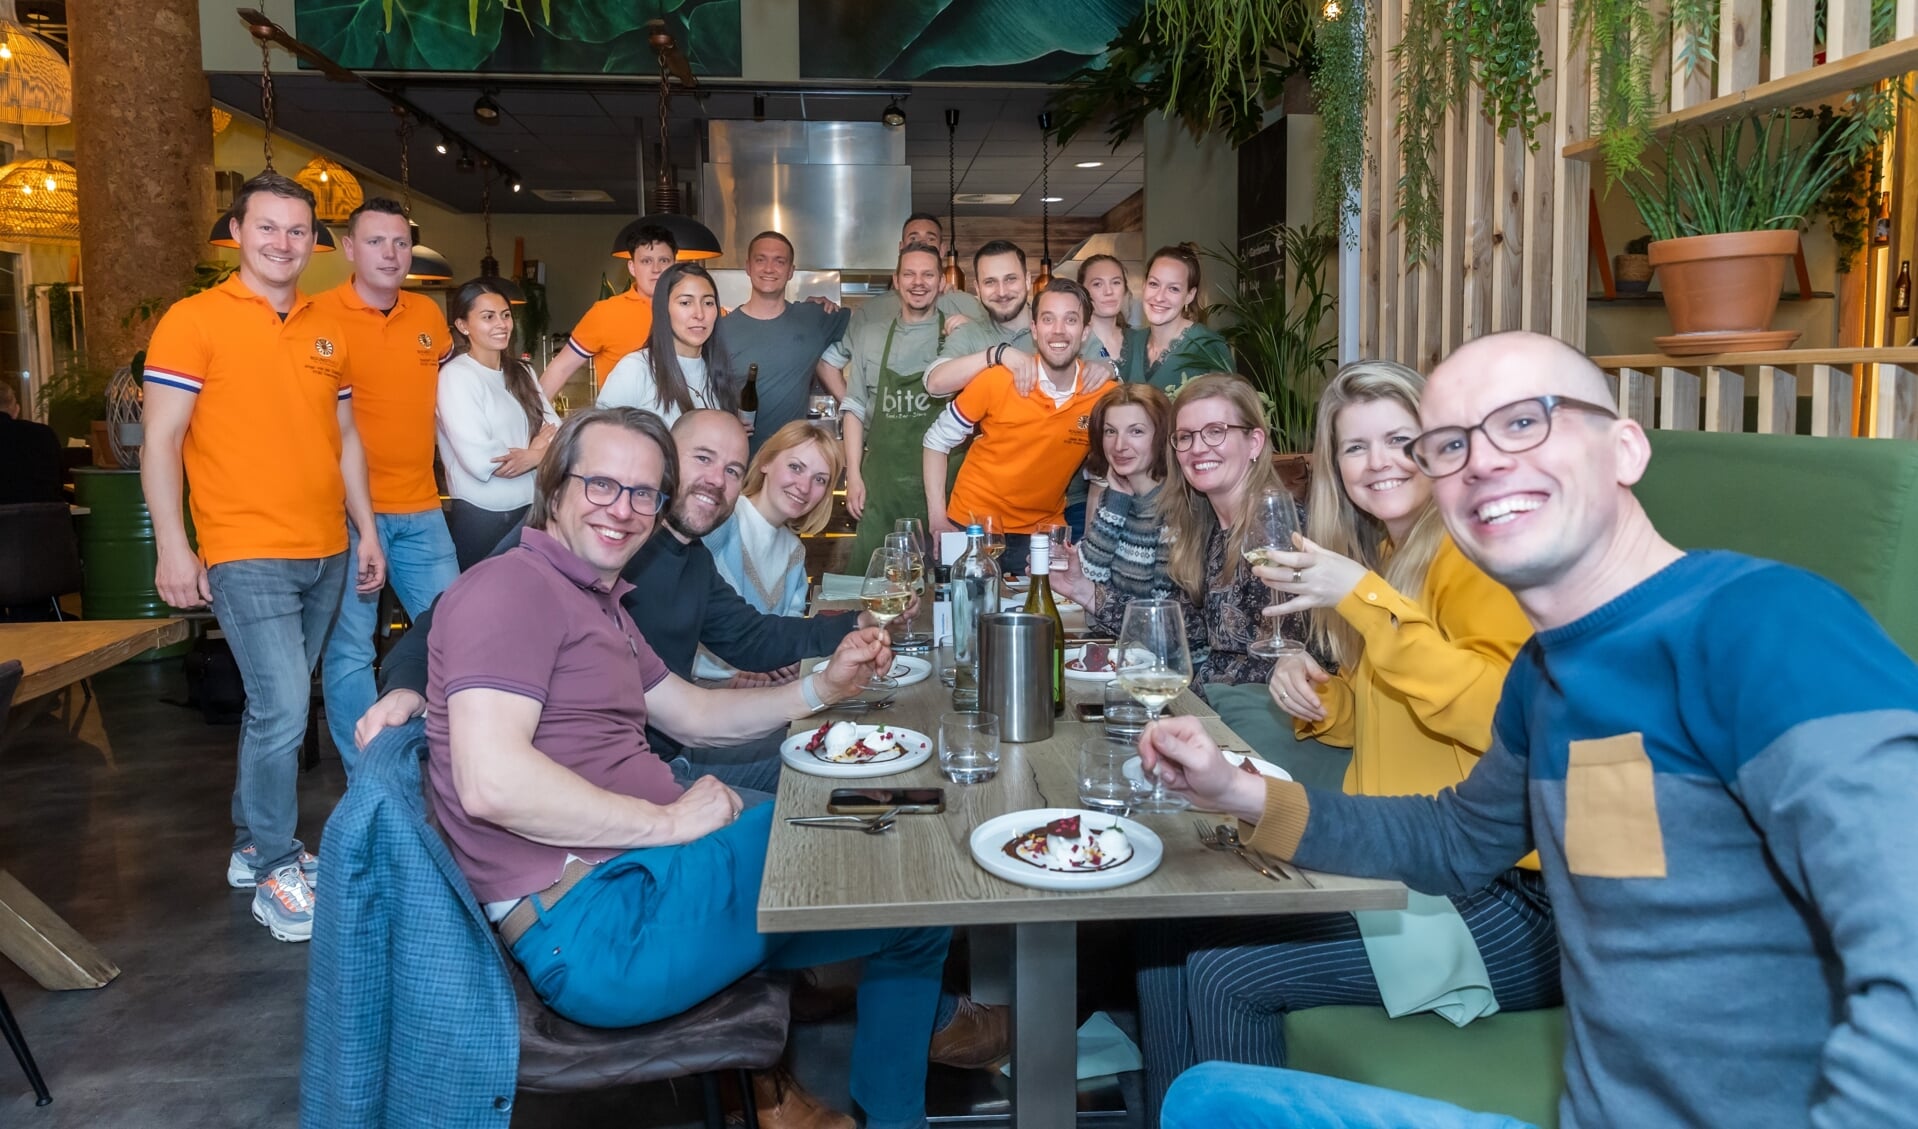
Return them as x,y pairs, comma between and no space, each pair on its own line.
1103,784
1125,717
969,747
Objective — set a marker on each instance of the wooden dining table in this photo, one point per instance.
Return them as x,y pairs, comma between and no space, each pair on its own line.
922,873
55,656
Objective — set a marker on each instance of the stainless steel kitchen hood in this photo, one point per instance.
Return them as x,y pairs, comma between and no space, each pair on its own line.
839,190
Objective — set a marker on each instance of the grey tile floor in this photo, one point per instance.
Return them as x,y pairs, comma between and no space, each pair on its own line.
126,838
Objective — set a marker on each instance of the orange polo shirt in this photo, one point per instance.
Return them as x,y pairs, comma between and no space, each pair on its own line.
613,328
1026,452
262,451
396,375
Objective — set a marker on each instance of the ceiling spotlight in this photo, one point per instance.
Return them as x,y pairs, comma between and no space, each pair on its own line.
1088,164
465,163
486,109
440,145
759,107
516,184
893,115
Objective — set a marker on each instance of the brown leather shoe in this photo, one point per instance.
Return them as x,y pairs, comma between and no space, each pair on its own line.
978,1038
784,1104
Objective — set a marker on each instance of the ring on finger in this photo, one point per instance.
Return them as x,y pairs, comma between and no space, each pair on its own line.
1298,576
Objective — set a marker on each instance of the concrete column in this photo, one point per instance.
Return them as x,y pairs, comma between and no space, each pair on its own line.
143,144
1191,193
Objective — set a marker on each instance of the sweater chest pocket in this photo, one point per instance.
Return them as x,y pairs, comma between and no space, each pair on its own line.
1611,810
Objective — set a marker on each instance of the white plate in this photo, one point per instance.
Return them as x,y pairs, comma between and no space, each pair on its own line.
918,747
906,669
1018,603
989,840
1087,675
1135,772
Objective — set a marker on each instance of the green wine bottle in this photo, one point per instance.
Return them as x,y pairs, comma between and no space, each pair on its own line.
1039,601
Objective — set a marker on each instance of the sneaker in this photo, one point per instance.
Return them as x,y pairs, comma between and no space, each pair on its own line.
283,902
239,868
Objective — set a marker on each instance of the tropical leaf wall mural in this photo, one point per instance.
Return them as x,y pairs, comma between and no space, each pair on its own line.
524,36
961,40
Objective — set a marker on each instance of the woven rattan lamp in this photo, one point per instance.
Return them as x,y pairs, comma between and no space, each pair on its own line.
36,88
335,190
39,202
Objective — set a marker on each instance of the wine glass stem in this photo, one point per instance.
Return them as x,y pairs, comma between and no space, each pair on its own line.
1158,774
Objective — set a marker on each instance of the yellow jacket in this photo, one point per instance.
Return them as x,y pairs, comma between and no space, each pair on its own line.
1416,709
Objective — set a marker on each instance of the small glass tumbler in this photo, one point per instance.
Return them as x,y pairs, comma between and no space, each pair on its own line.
1125,717
969,747
1103,783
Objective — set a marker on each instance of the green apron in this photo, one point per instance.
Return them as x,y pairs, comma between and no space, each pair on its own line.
897,418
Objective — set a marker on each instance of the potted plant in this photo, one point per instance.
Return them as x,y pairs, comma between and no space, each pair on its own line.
1725,216
1278,325
1632,270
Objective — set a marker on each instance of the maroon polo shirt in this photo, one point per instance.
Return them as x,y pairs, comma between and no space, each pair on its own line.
538,622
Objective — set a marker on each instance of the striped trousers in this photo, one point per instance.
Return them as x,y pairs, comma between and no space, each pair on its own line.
1219,988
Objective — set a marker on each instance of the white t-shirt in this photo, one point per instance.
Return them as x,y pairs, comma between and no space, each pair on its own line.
631,385
477,420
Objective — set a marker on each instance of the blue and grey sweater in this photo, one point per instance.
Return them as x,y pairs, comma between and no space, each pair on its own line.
1719,770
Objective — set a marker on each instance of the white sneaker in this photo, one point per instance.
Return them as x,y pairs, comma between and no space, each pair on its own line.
283,902
239,868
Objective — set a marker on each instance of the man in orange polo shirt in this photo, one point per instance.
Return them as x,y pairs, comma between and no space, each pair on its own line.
397,341
1029,446
618,325
247,391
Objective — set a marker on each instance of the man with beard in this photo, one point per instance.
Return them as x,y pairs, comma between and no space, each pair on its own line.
1030,444
886,410
785,339
956,307
679,602
618,325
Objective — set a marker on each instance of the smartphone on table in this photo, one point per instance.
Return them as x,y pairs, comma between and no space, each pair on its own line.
873,801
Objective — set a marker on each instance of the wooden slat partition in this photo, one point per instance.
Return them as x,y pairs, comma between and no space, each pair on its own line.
1777,400
1830,401
1905,20
1677,399
1897,403
1791,36
1738,46
1847,28
1636,395
1724,399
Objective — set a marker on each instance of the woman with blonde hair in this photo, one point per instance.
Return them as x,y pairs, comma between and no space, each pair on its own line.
787,495
1422,640
1222,448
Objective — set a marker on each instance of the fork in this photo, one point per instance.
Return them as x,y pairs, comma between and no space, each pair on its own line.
1229,835
1211,839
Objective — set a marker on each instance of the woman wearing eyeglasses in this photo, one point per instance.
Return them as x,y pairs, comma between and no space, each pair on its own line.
492,423
1422,640
1220,443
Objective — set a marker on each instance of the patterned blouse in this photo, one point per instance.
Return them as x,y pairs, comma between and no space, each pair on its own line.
1124,554
1234,599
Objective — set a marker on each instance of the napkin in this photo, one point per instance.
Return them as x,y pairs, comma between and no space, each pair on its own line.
1425,959
1103,1050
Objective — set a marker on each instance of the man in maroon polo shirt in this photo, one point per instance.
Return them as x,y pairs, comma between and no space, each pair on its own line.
626,895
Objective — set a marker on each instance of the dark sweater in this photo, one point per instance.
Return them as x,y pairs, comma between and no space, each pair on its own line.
30,466
678,602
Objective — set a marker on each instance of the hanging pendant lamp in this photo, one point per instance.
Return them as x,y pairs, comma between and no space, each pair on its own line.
428,265
489,266
222,233
336,191
1044,276
693,240
39,202
955,279
36,86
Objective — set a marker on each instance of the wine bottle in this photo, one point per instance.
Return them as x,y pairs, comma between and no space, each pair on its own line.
974,586
1901,290
1039,601
749,397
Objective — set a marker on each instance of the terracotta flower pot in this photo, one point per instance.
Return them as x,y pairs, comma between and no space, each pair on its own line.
1723,283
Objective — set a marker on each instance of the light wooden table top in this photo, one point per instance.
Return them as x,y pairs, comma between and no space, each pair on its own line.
923,873
56,655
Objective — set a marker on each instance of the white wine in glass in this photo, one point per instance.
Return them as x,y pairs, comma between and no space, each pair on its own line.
1154,667
1275,522
887,587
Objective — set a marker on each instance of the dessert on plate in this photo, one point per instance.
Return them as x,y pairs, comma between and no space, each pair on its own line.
846,743
1068,845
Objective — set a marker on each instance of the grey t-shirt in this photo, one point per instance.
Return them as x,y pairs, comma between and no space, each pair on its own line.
785,348
914,345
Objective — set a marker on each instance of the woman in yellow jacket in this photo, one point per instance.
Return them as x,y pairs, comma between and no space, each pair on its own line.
1419,678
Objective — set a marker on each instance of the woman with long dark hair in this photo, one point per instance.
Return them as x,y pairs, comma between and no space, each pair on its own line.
493,424
1173,345
672,375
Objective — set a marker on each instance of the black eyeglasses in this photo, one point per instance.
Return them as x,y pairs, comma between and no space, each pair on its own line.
1212,433
601,491
1518,426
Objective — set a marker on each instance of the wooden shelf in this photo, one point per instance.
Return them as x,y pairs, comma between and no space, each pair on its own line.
1845,75
1906,358
1657,298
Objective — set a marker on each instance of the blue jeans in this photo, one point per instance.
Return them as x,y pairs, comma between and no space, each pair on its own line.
1224,1095
275,614
419,565
654,931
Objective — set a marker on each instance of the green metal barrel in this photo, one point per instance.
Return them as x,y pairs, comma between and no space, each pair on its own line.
116,545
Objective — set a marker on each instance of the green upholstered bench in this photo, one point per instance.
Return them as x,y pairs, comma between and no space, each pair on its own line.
1842,508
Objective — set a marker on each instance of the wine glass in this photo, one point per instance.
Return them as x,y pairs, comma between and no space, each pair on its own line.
888,585
909,534
1154,667
995,533
1061,536
1274,523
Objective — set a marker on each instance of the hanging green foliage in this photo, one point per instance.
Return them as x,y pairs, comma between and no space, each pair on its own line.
1499,39
1624,39
1430,77
1342,65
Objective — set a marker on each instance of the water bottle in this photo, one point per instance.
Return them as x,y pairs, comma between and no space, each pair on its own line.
975,592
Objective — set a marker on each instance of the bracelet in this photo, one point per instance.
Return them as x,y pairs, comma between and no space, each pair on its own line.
814,703
999,353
